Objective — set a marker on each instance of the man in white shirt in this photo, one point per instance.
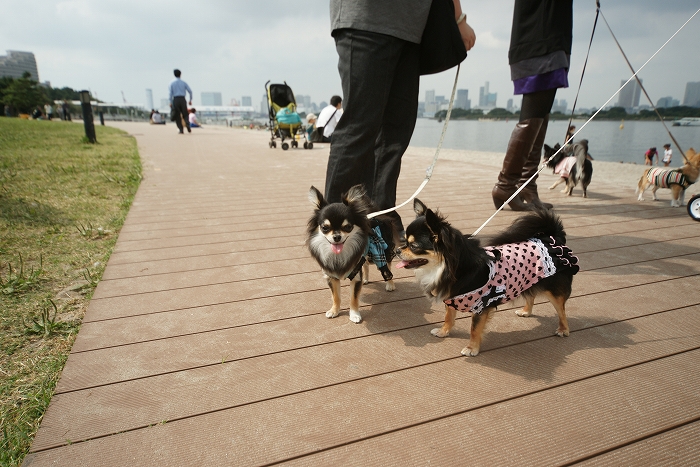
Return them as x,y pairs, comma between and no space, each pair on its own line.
329,117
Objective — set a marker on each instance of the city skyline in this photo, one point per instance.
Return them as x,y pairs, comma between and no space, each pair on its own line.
235,47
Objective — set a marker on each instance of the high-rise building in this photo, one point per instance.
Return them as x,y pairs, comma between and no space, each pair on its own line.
667,101
211,98
509,105
430,105
263,105
486,98
559,105
629,95
692,94
15,64
462,100
149,99
246,101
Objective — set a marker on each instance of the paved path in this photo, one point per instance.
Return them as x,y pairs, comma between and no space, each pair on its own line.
206,341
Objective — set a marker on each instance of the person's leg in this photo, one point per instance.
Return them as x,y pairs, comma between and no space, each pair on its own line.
397,128
365,62
177,111
535,108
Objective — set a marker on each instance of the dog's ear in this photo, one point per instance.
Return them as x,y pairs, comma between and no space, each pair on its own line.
419,208
557,147
434,223
357,198
316,198
547,148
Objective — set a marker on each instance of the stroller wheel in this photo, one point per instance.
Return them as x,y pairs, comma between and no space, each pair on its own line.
295,144
270,144
306,145
694,207
273,144
285,146
311,145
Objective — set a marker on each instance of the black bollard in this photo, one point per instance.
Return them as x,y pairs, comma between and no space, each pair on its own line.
87,116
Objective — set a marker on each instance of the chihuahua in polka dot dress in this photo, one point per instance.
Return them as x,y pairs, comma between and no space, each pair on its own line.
527,259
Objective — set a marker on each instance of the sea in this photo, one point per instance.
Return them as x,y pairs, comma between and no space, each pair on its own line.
611,141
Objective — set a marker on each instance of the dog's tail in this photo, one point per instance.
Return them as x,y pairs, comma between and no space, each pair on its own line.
541,223
640,183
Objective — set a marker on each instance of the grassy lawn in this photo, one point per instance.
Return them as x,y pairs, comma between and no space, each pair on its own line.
62,203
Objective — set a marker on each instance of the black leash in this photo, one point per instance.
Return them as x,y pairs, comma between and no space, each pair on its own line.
583,71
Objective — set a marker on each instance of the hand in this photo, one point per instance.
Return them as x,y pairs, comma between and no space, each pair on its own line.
190,102
171,106
468,35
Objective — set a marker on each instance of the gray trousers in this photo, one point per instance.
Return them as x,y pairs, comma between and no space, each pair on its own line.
380,78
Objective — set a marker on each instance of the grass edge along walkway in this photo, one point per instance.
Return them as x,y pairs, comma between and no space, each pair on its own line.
62,204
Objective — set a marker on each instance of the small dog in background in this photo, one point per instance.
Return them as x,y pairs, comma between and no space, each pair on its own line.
675,179
572,165
528,259
343,241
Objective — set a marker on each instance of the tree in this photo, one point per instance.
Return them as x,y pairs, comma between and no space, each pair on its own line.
24,94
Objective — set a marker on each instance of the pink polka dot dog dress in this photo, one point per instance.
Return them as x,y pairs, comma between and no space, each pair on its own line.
516,268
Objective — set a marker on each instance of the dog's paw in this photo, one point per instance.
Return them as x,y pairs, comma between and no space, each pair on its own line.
562,332
438,332
390,286
332,313
469,352
365,281
523,313
639,198
355,316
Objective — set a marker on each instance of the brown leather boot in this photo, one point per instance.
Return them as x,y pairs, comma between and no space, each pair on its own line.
519,147
529,193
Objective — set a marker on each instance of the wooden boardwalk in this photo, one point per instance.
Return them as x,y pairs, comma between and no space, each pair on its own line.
206,341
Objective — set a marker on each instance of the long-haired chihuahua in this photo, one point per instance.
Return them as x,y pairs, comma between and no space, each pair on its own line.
343,241
528,259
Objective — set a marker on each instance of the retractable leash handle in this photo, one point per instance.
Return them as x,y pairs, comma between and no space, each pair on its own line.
429,170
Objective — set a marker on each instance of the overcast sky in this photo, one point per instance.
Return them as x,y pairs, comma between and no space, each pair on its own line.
235,46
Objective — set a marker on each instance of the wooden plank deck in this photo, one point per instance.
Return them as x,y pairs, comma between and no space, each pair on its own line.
206,341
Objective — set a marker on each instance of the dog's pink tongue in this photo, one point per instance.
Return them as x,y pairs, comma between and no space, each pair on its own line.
337,247
401,264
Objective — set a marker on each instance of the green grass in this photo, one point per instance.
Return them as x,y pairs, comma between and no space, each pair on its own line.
62,203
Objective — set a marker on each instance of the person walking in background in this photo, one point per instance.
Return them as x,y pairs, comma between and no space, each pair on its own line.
328,118
540,48
48,110
378,62
177,92
649,156
668,155
66,111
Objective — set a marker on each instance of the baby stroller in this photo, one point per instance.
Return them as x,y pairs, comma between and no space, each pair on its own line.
285,122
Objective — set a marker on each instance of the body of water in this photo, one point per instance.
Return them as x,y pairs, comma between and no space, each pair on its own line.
606,141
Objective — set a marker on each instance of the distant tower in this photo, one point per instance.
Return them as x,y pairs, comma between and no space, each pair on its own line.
462,100
692,94
211,98
149,99
246,101
629,96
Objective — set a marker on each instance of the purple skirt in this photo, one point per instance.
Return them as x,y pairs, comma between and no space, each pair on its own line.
551,80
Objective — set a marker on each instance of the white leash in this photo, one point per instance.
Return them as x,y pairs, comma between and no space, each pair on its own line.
544,164
429,171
